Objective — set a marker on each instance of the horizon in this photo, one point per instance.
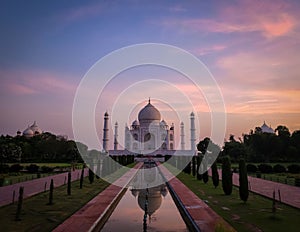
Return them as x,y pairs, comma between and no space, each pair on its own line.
251,48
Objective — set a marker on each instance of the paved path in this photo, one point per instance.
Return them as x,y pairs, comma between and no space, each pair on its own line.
35,186
290,195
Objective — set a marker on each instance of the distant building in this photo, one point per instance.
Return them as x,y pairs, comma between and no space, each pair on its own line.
266,129
32,130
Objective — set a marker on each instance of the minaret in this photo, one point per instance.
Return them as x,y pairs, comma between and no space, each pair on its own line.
193,134
116,137
105,132
127,138
182,136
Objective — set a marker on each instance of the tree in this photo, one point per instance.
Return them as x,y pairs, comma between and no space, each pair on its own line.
234,149
20,203
194,165
215,174
199,170
205,177
69,184
51,193
243,179
81,178
283,131
91,176
226,176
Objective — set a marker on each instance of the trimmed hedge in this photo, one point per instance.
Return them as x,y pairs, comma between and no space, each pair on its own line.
251,168
278,168
294,168
32,168
15,168
265,168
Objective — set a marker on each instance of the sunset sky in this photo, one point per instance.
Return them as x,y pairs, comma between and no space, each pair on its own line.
252,49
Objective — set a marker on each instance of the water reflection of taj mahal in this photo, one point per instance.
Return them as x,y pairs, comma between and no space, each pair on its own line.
150,135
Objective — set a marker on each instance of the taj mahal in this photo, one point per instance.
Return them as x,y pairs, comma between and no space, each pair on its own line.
149,135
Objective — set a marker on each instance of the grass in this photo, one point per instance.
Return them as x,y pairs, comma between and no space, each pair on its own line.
38,216
284,178
255,215
53,165
13,178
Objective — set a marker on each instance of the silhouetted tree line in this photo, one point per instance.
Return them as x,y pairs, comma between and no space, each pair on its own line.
46,147
282,146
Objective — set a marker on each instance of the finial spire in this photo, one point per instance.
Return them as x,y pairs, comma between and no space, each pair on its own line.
149,100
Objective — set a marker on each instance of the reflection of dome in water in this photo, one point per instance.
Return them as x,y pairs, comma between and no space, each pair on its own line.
154,201
149,113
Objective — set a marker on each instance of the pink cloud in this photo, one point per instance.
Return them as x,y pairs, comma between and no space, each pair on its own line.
270,18
35,82
20,89
208,50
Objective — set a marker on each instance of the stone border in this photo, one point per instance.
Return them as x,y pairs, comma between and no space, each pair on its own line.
197,215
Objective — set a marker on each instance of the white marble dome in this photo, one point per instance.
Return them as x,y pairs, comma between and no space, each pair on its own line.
28,132
266,129
32,130
149,113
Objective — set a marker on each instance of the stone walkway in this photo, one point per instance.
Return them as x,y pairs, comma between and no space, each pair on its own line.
290,195
33,187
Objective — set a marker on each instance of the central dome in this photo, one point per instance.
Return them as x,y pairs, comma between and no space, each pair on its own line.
149,113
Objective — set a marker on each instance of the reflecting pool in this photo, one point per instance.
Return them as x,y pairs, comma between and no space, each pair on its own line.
150,209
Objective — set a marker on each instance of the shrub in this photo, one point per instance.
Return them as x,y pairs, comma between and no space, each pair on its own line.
4,168
46,169
32,168
187,168
226,176
167,157
294,168
15,168
278,168
251,168
265,168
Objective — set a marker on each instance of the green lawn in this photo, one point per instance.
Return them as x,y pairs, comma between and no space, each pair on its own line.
254,215
38,216
44,164
13,178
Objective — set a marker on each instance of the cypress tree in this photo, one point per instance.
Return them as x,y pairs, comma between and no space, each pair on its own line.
81,178
226,176
205,177
98,170
91,176
194,166
243,179
215,174
51,193
20,203
199,170
69,184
